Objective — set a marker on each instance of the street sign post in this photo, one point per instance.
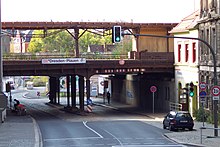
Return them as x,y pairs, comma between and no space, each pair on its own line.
153,89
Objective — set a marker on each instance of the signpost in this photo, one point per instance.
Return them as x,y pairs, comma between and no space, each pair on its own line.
153,89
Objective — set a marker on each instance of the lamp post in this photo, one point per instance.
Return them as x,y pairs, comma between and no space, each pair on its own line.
215,103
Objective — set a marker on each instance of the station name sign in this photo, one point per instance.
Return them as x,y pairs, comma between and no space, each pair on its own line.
64,61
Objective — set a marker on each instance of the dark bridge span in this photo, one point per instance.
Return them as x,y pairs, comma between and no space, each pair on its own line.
91,67
157,66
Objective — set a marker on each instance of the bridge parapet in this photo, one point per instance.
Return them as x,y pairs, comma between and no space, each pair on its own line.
39,56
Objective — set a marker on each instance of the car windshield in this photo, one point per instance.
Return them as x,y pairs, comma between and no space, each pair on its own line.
183,115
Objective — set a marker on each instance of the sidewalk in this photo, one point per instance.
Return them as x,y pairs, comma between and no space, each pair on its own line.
18,131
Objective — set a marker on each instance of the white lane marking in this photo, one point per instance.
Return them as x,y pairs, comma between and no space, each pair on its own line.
66,139
84,122
121,144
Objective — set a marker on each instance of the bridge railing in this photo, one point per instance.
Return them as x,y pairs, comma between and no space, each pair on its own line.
150,56
175,106
39,56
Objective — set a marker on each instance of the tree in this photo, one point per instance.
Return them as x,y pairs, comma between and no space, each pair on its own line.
60,42
89,38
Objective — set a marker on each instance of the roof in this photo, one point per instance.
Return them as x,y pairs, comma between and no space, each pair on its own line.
187,23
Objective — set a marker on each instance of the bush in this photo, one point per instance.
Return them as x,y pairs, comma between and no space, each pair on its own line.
208,116
200,113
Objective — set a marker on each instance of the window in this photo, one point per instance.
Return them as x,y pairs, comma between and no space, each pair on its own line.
194,52
179,52
186,52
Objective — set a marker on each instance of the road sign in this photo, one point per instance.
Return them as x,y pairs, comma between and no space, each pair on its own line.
202,85
89,101
38,93
215,90
202,96
215,98
153,88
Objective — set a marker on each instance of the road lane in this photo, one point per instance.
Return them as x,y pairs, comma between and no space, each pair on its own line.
110,129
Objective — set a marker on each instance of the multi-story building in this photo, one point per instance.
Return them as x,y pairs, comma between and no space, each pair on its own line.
186,62
209,30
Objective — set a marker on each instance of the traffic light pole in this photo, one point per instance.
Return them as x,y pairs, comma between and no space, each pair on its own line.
214,66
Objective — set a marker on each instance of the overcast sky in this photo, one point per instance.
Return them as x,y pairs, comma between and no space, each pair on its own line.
163,11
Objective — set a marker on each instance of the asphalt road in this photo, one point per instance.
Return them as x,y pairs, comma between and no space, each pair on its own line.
104,128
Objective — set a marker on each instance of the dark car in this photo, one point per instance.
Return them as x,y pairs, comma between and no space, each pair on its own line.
178,119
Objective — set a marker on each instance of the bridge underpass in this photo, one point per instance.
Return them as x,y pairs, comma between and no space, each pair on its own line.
132,69
129,82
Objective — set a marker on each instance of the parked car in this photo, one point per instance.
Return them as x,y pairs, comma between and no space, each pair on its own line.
178,119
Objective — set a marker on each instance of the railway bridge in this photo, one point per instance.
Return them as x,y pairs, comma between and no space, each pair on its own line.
130,79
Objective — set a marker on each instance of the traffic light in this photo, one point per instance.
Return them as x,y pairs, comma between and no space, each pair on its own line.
116,34
191,89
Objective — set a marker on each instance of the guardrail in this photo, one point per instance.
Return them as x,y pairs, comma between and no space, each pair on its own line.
175,106
202,128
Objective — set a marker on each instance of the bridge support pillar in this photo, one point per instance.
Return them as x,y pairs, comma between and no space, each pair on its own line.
68,90
87,88
58,90
53,88
81,93
73,90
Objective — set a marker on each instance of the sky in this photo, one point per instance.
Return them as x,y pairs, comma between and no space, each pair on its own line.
138,11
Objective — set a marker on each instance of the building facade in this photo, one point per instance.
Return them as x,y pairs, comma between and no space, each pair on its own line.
209,30
186,62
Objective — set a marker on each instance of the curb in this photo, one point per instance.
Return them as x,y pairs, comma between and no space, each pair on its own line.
183,143
37,132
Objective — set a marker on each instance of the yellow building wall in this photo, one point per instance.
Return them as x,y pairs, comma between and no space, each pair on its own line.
154,44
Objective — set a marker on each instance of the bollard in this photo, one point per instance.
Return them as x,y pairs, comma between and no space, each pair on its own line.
89,108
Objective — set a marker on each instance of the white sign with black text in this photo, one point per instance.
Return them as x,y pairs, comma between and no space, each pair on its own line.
64,61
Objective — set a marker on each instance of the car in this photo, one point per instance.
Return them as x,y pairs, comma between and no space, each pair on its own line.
178,119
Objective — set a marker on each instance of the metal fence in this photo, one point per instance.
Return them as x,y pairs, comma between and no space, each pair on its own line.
175,106
39,56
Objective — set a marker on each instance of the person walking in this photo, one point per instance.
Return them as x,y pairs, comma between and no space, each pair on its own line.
108,97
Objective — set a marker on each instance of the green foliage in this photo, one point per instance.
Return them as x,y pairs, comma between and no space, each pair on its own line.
208,116
200,113
60,42
63,42
89,38
39,80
